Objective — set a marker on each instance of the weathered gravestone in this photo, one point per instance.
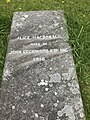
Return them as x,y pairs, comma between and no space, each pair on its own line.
39,81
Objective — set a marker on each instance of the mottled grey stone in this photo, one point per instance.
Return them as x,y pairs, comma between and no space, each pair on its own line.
39,79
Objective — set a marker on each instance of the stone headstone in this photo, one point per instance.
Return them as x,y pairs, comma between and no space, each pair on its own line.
39,80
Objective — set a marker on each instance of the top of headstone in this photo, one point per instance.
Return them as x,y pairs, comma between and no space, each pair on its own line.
48,21
39,80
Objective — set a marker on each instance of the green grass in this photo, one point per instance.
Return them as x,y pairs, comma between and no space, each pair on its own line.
77,13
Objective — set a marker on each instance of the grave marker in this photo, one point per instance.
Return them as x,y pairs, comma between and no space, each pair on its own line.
39,80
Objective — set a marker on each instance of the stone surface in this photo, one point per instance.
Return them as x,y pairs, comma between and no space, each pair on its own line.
39,80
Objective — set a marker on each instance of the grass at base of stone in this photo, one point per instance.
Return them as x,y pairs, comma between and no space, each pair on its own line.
77,13
4,32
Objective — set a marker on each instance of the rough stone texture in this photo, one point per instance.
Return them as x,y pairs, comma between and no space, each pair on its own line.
39,80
